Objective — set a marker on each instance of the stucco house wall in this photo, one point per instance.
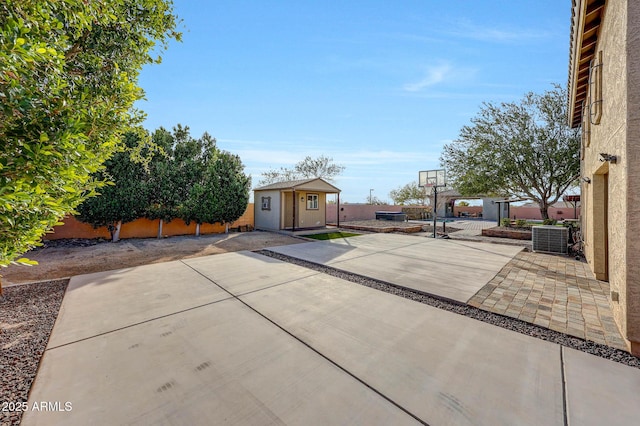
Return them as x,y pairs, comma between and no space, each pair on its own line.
611,190
632,163
605,219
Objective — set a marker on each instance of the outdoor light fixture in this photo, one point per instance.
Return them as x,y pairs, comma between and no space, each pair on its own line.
586,179
608,157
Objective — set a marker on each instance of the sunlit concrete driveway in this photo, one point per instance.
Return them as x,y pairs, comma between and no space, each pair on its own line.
450,269
240,338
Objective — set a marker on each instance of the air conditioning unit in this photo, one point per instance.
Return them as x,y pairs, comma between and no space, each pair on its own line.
550,239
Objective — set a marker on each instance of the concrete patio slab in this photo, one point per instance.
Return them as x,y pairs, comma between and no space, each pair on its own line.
301,348
243,272
105,301
221,363
599,391
454,270
442,367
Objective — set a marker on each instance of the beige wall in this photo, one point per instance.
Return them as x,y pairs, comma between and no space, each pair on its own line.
632,156
305,218
309,218
611,217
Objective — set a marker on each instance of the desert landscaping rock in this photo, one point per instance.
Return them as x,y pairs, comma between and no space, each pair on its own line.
27,315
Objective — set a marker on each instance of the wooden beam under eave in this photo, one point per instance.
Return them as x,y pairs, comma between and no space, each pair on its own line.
585,60
582,79
586,18
592,25
588,48
594,9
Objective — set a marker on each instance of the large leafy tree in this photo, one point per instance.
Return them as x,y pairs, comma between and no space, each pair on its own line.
410,193
173,174
185,178
68,82
223,192
321,167
523,149
126,198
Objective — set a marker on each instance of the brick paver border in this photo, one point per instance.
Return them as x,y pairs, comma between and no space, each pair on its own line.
555,292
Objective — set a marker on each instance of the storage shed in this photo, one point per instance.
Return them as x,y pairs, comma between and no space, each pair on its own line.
293,205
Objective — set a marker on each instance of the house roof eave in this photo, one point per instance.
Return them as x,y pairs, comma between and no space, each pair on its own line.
586,18
313,184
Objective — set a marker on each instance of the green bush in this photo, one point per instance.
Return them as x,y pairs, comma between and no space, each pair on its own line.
521,223
549,221
192,179
506,222
68,84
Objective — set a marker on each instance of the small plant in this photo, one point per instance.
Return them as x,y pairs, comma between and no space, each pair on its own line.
521,223
506,222
549,221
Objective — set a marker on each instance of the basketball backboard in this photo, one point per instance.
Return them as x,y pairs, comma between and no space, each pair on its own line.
432,178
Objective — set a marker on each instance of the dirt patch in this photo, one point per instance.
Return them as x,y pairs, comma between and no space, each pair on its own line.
66,258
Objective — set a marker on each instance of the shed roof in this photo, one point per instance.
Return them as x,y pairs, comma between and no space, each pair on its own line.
313,184
586,17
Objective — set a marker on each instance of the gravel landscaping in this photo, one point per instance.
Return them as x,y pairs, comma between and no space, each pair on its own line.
513,324
27,315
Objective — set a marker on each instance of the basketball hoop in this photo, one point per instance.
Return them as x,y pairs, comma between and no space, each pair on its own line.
433,179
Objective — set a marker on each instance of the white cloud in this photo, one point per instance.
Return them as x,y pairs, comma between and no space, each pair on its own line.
444,76
364,158
435,74
466,29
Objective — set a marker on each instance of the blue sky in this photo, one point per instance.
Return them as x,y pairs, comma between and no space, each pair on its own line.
379,86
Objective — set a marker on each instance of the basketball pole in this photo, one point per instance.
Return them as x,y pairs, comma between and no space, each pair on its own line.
435,208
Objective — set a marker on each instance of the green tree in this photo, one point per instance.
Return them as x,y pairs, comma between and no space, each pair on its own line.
410,193
125,199
222,194
68,82
524,149
321,167
173,174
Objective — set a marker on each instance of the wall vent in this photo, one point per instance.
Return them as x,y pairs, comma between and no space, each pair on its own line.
550,239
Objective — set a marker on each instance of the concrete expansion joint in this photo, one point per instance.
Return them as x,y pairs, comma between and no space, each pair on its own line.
537,324
309,346
135,324
565,397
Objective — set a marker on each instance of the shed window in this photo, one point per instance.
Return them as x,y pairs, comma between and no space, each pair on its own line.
312,201
266,203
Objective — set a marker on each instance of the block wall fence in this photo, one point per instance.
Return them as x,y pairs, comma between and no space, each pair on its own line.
367,211
144,228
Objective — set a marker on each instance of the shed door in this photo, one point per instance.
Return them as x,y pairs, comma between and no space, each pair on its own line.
288,210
